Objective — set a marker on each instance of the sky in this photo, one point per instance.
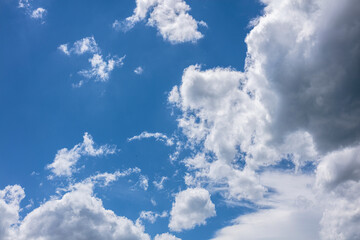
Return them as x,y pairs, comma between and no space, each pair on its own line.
179,119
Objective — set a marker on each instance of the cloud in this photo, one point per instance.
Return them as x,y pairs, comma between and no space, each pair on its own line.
291,212
338,180
101,68
38,13
10,199
158,136
65,159
166,236
191,208
160,184
170,17
150,216
144,182
139,70
297,101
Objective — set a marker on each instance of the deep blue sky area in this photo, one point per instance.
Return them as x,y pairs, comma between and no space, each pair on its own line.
41,112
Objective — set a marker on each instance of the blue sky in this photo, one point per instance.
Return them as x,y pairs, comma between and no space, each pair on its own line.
229,106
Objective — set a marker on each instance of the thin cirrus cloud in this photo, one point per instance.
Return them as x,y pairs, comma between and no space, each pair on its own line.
297,100
101,68
170,17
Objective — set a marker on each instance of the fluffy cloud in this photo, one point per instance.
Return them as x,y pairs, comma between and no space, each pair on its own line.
77,214
338,179
150,216
170,17
100,69
191,207
139,70
298,100
65,159
166,236
10,199
38,13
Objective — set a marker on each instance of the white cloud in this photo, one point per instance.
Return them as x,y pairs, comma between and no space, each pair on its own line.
150,216
297,100
158,136
166,236
292,211
38,13
100,68
144,182
139,70
170,17
160,184
10,199
191,208
65,159
338,179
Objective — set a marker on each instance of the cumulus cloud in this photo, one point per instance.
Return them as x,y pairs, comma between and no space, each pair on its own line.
66,159
38,13
298,101
170,17
77,214
191,208
166,236
144,182
101,68
158,137
10,199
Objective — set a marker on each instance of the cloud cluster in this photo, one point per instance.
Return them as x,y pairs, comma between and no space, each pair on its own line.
100,68
77,214
66,159
297,101
191,208
38,13
170,17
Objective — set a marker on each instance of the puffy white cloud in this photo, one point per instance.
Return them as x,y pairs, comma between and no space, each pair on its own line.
158,136
338,179
78,214
10,199
166,236
100,69
191,208
65,159
170,17
298,100
38,13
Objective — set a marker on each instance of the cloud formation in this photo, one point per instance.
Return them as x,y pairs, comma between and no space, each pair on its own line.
65,159
101,68
170,17
191,208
